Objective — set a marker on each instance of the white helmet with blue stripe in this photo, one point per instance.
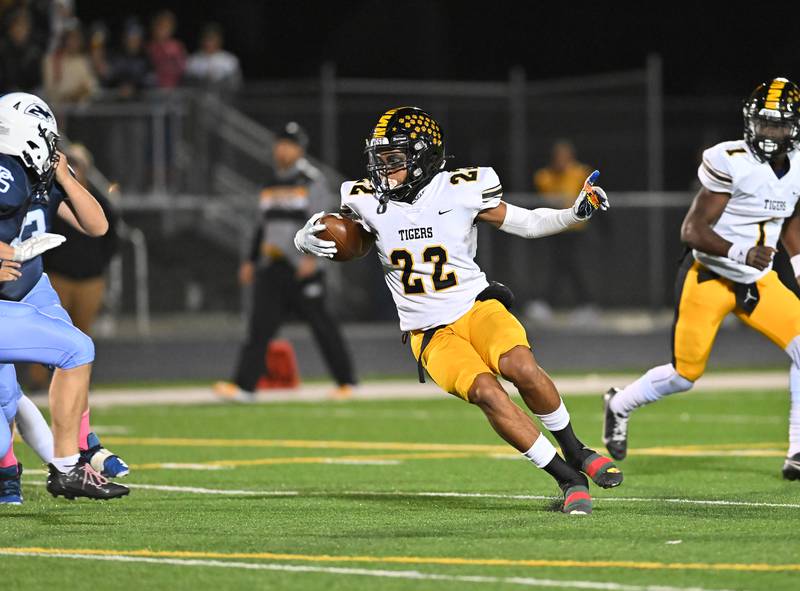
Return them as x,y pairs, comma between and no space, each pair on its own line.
28,130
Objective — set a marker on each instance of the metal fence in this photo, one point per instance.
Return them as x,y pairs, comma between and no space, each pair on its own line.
189,165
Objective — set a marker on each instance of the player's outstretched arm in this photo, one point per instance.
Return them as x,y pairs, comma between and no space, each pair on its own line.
544,221
306,241
697,231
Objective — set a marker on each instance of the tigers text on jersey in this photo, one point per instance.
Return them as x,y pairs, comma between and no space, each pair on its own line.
427,248
759,204
18,223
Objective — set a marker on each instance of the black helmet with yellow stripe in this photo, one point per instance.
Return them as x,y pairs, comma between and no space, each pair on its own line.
409,138
772,119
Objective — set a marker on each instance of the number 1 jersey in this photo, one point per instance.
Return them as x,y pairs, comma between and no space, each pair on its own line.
427,248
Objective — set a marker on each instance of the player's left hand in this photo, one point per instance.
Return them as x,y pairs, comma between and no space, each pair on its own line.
36,245
591,198
62,168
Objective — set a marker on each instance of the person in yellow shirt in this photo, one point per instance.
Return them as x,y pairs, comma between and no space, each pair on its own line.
556,183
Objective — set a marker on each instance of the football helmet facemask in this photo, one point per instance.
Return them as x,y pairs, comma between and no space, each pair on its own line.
29,131
772,119
404,138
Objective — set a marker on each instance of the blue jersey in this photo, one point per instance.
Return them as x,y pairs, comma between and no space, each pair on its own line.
15,187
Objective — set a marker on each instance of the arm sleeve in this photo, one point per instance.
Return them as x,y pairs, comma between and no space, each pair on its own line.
537,223
714,171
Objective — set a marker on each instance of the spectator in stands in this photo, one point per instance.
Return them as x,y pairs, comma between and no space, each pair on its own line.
211,66
167,54
129,70
67,71
98,54
558,183
129,74
20,58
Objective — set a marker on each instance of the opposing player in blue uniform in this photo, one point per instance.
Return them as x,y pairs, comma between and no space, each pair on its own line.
35,185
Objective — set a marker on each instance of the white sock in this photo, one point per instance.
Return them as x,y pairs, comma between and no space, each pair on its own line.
34,430
66,464
794,410
654,385
556,420
541,452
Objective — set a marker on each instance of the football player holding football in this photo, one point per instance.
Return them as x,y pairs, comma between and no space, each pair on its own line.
748,201
424,221
36,184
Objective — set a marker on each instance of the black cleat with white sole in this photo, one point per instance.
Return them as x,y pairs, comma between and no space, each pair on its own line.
83,481
615,428
791,467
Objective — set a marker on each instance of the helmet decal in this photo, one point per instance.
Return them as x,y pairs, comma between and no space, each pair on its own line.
403,138
772,119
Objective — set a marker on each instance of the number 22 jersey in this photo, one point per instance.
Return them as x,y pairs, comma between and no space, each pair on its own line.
427,248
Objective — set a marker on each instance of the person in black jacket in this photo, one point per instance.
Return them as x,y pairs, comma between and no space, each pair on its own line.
77,269
284,280
20,58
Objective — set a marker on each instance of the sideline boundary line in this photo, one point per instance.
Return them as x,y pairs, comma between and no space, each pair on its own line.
393,574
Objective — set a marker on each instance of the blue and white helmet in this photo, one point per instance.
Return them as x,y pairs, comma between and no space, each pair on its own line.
28,130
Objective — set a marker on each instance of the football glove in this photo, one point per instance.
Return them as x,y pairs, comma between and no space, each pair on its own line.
306,241
36,245
590,199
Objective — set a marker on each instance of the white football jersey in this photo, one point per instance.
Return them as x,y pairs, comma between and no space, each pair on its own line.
759,204
427,248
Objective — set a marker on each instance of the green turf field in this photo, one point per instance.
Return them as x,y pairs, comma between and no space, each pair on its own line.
415,495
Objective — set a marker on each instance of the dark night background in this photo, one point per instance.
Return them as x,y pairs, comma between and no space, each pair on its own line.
709,48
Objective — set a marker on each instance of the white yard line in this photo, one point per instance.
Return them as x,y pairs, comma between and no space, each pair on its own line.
592,384
363,572
444,494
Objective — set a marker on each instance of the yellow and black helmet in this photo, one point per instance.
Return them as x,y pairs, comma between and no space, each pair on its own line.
772,118
416,143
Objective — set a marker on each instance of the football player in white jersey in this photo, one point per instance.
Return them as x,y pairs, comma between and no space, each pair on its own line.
424,222
748,201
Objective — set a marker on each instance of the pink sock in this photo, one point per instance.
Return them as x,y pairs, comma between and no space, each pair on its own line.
9,459
83,434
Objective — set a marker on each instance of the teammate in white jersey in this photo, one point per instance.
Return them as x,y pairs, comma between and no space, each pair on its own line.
424,221
748,201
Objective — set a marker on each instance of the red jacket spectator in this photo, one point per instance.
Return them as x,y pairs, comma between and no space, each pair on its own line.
167,54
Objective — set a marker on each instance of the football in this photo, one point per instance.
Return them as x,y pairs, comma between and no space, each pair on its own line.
352,240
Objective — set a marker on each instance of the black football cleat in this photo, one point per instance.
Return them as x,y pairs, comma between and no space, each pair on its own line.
791,467
577,500
615,428
83,481
603,472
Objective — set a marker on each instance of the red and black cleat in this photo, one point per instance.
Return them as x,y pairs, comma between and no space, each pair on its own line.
601,470
577,500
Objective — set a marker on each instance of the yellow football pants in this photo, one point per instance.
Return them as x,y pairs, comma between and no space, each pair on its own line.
470,346
704,304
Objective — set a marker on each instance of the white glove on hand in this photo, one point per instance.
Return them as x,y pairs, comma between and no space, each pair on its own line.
36,245
590,198
305,240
